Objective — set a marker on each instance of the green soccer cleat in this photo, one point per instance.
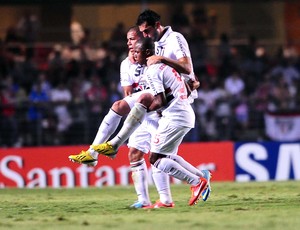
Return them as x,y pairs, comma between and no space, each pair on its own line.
84,157
106,149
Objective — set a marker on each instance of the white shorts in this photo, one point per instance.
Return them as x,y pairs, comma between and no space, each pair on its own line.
168,137
131,99
141,137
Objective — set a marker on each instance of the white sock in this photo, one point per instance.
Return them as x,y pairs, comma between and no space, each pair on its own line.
162,184
132,122
186,165
140,180
107,127
174,169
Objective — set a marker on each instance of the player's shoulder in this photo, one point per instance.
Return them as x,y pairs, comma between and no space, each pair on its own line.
160,70
175,35
126,63
157,67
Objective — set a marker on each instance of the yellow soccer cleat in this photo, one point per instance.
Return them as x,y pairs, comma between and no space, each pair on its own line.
84,157
106,149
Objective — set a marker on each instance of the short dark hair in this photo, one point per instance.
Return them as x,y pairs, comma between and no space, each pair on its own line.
136,30
148,16
146,44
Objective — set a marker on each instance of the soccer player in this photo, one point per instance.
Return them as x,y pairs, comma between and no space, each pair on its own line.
171,47
168,93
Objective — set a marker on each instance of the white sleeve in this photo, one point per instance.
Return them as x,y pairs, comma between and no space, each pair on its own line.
125,79
180,46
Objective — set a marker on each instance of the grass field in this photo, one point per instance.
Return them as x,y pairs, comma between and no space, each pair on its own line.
255,205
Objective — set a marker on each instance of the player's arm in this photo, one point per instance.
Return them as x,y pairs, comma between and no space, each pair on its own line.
158,101
153,102
125,81
182,65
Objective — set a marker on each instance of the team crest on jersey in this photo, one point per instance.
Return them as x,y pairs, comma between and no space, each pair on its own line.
140,81
141,86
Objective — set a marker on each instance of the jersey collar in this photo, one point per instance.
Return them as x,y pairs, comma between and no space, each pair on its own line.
166,32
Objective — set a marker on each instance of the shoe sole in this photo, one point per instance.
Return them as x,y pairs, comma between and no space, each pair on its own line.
83,162
138,206
157,207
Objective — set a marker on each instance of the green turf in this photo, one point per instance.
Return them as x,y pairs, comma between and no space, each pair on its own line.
255,205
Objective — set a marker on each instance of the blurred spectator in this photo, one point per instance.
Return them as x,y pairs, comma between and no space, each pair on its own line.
249,50
224,55
38,112
199,55
234,84
212,18
209,94
77,33
289,51
118,36
280,98
114,93
103,62
199,25
291,74
180,21
241,116
224,47
78,131
97,104
60,99
20,104
28,27
9,135
25,70
56,64
224,118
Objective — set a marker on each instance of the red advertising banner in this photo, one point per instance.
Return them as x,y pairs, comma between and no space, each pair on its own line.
49,166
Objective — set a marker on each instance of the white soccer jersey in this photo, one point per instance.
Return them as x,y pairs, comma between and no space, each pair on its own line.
163,78
173,45
132,74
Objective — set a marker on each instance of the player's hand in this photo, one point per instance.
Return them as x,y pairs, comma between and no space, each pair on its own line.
191,85
194,84
153,60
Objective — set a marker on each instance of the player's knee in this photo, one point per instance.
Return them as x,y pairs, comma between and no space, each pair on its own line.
154,157
146,99
121,107
135,155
